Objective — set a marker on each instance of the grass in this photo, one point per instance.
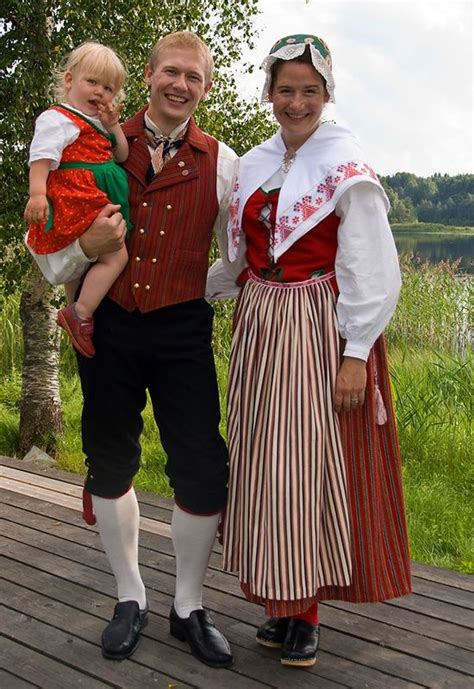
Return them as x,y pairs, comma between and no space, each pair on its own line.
432,373
428,227
435,309
433,404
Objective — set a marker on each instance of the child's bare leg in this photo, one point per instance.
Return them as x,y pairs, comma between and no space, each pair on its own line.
71,288
99,279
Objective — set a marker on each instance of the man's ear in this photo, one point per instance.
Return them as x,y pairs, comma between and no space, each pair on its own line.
148,74
207,88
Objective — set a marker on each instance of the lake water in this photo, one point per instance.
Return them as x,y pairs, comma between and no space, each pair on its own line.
438,247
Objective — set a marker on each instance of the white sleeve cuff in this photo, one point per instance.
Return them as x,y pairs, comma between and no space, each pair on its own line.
358,350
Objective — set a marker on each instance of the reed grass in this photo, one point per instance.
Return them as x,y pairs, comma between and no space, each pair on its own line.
433,401
435,228
435,309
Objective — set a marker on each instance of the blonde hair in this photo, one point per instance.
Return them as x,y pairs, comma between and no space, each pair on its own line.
187,40
95,59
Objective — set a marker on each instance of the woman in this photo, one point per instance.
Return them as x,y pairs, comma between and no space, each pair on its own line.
315,506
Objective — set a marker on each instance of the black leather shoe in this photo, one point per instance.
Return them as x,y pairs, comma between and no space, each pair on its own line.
273,632
206,642
301,643
120,637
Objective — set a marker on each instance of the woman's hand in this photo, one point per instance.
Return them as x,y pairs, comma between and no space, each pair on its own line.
350,384
37,209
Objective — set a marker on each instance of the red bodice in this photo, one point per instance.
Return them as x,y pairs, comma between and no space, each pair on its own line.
311,255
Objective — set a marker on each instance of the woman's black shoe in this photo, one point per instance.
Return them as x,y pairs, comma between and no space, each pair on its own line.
121,636
301,643
206,642
273,632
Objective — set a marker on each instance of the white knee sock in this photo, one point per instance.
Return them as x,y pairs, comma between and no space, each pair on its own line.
193,537
118,524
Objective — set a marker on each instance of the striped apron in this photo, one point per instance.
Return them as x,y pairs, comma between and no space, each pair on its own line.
299,527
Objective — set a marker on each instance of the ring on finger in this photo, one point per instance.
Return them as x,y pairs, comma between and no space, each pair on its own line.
354,400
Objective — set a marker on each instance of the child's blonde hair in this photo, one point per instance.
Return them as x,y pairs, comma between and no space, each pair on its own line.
94,59
187,40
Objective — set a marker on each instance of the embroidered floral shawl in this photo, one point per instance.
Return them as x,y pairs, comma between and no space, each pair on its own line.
327,164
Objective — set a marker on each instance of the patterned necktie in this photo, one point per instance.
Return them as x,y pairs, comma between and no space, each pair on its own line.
163,145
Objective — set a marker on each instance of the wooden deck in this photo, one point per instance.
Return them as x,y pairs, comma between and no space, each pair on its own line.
56,594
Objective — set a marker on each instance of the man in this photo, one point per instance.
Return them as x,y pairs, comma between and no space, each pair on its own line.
153,332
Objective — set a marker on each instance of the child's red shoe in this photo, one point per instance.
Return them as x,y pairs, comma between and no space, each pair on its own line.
80,330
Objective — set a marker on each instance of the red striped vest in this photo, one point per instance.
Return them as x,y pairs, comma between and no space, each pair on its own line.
172,218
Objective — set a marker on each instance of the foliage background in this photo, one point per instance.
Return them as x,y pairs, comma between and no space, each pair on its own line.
439,198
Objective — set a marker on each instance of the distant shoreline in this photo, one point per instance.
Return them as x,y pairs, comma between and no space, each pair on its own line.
434,228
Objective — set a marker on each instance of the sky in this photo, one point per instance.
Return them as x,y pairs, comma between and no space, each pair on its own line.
403,71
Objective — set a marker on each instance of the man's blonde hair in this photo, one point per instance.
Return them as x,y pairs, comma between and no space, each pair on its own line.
94,59
187,40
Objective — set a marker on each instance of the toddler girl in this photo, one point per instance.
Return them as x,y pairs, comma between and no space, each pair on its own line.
73,175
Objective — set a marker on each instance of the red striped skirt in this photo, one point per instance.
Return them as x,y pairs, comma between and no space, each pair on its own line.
315,506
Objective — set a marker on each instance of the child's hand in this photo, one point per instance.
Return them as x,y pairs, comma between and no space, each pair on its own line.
37,209
109,114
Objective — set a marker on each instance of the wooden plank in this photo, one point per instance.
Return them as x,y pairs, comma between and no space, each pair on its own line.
406,642
9,680
408,620
151,499
217,580
396,661
34,666
53,496
424,587
420,570
46,584
437,610
442,592
169,655
329,667
443,576
419,646
39,480
157,507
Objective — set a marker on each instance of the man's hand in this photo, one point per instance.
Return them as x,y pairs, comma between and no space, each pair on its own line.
106,234
350,384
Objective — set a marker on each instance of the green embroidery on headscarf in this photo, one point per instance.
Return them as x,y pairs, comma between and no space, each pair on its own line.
296,39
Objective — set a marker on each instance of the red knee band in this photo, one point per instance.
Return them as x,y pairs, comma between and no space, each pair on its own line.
87,509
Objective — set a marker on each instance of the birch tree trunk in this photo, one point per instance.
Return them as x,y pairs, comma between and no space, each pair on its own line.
40,408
